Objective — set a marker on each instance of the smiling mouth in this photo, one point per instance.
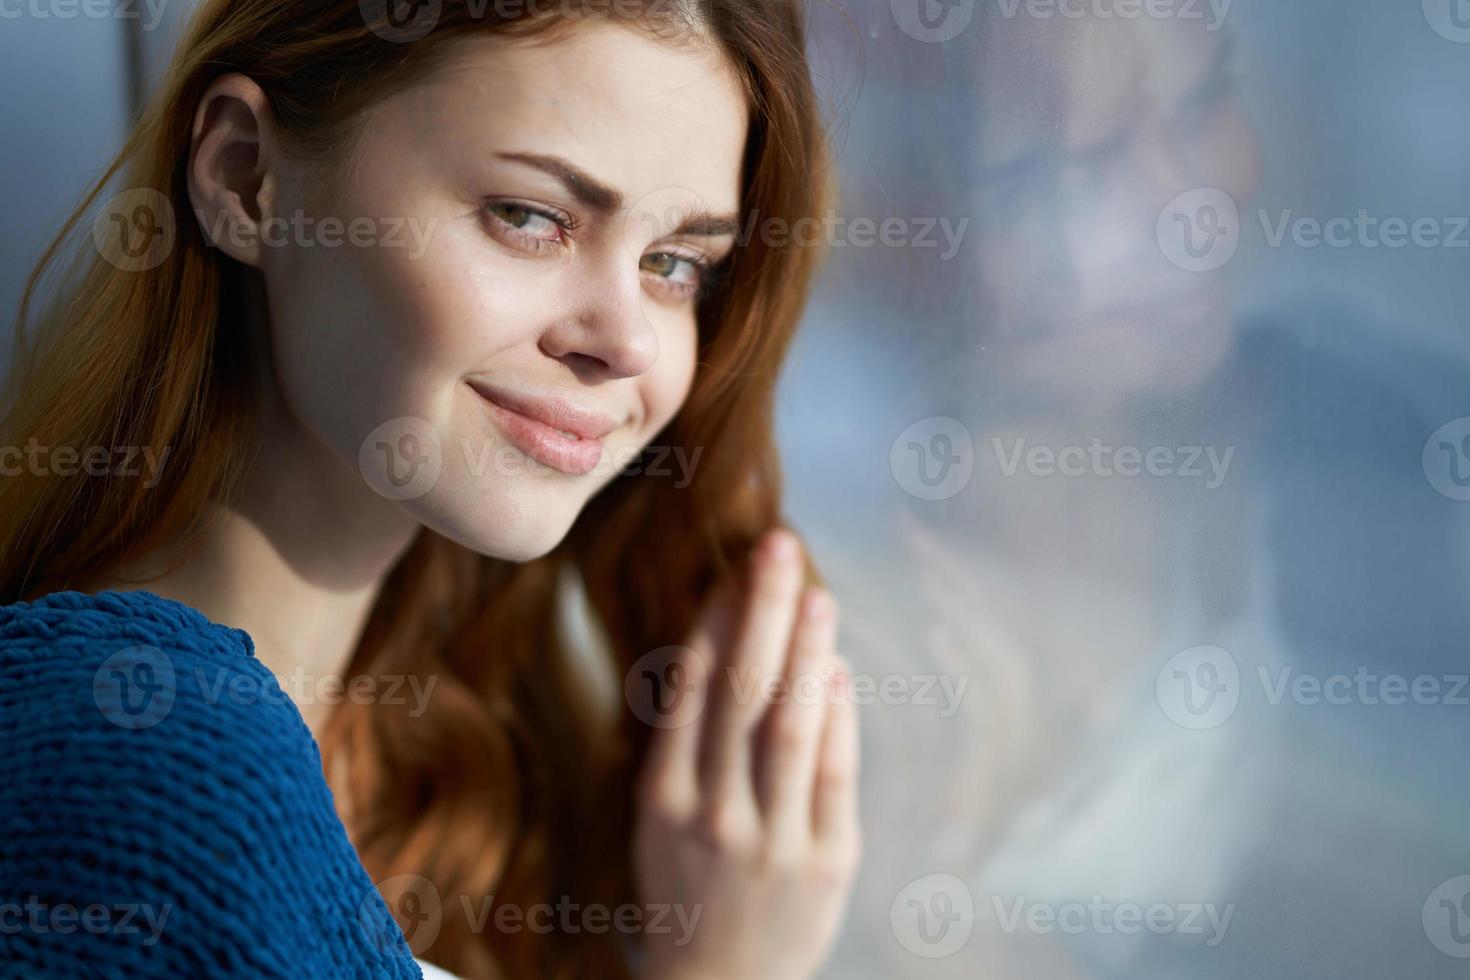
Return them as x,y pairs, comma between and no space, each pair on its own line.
549,430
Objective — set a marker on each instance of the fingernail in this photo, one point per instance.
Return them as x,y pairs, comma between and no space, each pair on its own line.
818,603
839,676
781,546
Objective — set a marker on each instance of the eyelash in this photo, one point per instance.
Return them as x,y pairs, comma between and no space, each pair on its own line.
565,224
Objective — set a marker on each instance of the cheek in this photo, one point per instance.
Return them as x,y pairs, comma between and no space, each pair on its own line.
434,308
367,334
668,383
1229,158
1013,270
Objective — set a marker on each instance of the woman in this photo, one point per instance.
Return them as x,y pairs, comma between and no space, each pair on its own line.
409,315
1047,600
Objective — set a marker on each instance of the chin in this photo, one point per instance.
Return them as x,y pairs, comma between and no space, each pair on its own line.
516,527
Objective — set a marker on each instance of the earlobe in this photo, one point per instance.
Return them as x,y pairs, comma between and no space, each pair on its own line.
229,166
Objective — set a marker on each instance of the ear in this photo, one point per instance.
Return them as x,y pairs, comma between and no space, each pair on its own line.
230,178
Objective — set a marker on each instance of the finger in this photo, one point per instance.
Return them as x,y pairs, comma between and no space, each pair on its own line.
737,691
835,796
671,771
793,727
715,625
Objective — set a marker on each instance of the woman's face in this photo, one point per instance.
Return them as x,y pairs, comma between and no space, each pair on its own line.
1089,129
544,211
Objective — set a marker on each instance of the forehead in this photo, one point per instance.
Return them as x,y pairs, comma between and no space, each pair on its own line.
639,113
1070,84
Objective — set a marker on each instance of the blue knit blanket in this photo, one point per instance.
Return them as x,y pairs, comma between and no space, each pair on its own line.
163,812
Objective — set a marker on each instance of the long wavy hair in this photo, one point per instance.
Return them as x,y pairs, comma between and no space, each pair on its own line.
517,781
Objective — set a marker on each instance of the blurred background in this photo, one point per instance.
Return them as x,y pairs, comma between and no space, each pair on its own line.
1131,424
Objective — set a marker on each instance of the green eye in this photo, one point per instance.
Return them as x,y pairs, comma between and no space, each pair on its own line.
512,214
674,275
524,225
662,263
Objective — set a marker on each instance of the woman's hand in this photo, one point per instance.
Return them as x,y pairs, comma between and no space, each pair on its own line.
748,811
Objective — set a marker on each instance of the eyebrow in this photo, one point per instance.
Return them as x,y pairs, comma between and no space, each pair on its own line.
1216,79
595,194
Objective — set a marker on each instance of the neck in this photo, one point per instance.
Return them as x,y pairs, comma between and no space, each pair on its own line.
297,560
297,568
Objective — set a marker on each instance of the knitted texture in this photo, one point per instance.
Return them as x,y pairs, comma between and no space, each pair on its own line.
163,811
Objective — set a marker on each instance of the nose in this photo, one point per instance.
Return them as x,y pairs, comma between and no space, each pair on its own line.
604,333
1111,231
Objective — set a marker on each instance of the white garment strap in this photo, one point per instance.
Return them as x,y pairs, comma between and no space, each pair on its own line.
432,972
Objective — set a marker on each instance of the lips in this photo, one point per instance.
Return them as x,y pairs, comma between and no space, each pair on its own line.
551,431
